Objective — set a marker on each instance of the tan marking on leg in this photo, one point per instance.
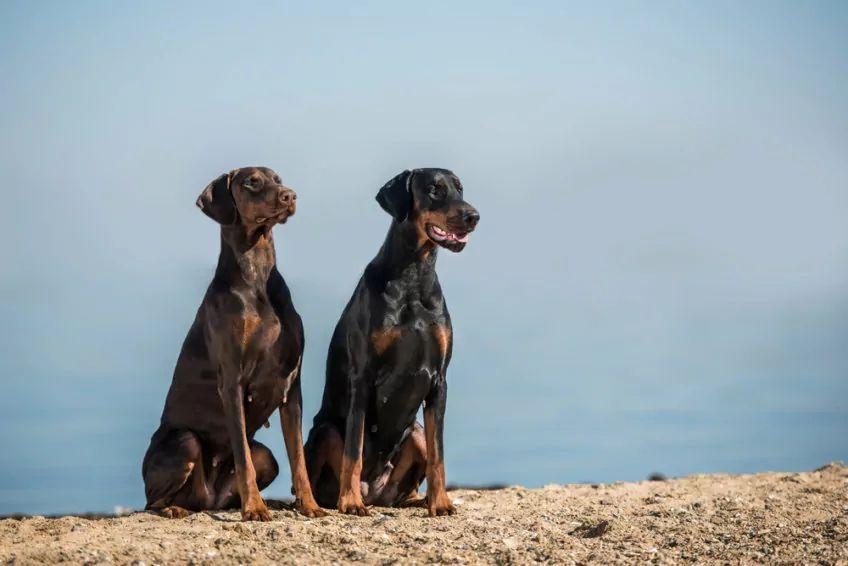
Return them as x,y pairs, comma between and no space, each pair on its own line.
438,502
290,422
350,490
442,334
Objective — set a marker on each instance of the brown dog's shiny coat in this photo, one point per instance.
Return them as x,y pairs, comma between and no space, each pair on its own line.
239,363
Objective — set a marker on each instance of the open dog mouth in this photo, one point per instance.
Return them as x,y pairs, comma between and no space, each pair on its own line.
445,237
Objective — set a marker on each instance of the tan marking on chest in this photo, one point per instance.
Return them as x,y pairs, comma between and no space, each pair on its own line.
383,339
263,241
249,325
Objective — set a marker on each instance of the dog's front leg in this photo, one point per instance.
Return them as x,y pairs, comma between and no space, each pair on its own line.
438,502
253,508
290,420
350,490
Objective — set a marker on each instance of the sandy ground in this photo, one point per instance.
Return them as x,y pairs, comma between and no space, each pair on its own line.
767,518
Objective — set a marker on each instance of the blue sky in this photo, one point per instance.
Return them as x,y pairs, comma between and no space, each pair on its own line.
659,280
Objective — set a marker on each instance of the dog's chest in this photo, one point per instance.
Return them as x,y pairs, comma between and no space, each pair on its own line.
411,350
408,305
269,372
258,324
413,335
266,391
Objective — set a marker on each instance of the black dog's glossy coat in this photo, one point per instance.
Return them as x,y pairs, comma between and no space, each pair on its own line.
239,363
389,354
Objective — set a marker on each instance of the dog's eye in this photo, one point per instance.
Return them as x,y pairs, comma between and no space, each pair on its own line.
436,192
252,184
457,184
278,180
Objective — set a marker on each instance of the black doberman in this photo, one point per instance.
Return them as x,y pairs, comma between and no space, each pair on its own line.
389,353
239,362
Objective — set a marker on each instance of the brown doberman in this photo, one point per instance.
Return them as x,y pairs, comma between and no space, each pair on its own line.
239,362
388,355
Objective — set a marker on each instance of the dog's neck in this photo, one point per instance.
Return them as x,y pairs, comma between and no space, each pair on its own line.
404,255
247,256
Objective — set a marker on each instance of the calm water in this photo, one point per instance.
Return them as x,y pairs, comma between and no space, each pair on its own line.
569,400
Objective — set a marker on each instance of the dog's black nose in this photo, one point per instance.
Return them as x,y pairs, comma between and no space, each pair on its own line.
287,196
471,218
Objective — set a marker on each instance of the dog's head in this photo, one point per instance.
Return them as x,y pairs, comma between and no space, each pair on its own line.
433,202
252,196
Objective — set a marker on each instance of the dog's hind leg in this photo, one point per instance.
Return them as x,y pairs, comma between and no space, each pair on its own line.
174,479
226,494
407,473
323,451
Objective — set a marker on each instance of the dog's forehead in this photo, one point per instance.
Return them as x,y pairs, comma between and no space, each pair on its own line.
270,173
249,171
440,176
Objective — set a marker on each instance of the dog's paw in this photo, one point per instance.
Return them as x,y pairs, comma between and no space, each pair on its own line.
350,504
256,515
174,512
256,511
358,510
440,506
311,511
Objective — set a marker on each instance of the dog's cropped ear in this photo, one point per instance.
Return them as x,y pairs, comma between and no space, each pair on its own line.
216,201
396,196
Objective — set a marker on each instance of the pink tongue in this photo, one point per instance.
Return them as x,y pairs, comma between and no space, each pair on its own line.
449,236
